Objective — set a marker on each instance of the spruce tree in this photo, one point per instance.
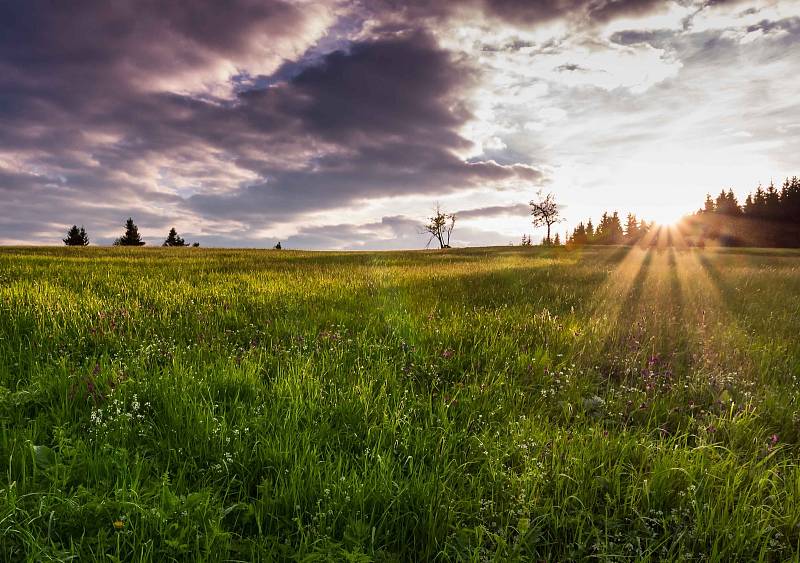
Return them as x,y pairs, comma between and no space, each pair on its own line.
173,239
773,204
76,237
615,233
131,236
631,229
709,206
579,234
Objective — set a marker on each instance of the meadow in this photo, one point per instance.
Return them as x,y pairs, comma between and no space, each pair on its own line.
604,403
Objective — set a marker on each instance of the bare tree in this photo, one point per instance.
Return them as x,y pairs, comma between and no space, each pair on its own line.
545,212
440,227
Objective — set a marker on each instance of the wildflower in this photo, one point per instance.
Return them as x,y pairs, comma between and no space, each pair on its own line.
119,524
773,439
448,353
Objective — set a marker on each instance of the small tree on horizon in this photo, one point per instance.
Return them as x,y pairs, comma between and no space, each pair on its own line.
76,237
545,213
173,239
440,227
131,236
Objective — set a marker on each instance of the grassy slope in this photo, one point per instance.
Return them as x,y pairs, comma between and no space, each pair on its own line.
474,404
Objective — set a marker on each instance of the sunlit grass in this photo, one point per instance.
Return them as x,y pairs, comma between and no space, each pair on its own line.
482,404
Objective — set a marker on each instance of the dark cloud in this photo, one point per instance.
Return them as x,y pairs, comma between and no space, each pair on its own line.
571,67
656,38
396,87
134,39
494,210
378,118
391,107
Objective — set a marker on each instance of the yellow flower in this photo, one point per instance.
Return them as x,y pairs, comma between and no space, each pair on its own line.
118,524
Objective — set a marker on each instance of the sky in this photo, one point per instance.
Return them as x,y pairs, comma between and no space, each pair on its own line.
339,124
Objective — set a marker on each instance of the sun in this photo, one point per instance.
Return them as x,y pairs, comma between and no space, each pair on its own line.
666,215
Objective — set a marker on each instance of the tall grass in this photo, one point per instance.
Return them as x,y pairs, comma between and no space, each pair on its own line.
487,404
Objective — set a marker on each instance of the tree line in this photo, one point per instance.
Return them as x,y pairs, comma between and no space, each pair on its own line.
769,217
610,230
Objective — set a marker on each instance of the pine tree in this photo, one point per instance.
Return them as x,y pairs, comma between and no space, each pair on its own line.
76,237
733,203
773,205
131,236
721,203
173,239
631,229
579,234
615,229
759,207
602,235
709,206
557,240
748,205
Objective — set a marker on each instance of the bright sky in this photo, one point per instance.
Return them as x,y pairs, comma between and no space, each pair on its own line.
339,124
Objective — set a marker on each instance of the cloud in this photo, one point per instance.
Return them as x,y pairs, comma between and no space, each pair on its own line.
494,210
330,123
380,117
571,67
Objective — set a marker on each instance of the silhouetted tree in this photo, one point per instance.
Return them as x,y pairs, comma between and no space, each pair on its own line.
545,212
632,233
709,207
557,240
173,239
76,237
790,200
278,246
131,236
440,227
609,231
195,245
726,204
578,235
773,204
644,227
768,217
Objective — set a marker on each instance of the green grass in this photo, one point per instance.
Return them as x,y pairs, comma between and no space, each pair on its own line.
467,405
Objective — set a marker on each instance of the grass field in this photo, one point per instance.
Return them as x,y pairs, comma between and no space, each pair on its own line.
486,404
